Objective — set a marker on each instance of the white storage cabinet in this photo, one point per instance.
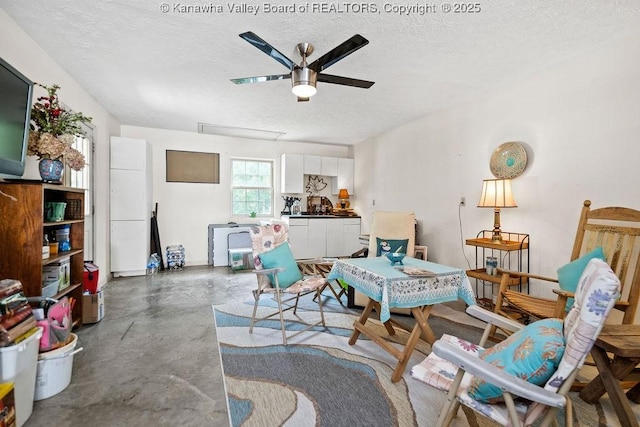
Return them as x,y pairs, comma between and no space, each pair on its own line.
130,205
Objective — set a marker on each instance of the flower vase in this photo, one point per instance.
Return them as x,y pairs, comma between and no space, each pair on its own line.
51,170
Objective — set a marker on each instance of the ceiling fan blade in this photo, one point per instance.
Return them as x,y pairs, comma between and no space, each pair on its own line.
338,53
268,49
260,79
346,81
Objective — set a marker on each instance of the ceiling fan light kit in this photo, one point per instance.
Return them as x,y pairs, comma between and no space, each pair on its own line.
304,77
303,82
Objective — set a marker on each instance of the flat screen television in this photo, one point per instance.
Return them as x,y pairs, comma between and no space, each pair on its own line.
16,92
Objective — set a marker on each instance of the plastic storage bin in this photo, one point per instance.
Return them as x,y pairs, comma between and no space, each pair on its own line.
241,259
90,277
18,364
54,370
62,236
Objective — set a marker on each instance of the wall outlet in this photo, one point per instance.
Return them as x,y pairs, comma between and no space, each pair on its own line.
463,201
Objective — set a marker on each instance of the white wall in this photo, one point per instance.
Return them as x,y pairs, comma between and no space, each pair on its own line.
25,55
184,209
580,122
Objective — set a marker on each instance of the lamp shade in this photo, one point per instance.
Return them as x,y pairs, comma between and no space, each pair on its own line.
496,193
343,194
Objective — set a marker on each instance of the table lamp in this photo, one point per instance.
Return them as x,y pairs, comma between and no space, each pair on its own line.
343,195
496,194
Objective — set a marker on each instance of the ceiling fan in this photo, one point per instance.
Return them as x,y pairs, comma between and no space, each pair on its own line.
305,76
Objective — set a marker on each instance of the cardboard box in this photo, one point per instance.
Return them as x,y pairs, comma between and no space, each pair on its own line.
92,307
7,405
58,271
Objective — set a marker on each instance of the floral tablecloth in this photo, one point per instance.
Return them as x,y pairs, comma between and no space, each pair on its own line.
387,284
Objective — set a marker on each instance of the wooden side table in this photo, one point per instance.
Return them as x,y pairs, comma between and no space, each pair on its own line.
623,342
512,254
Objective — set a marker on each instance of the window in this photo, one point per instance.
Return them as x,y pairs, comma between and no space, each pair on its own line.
83,179
251,187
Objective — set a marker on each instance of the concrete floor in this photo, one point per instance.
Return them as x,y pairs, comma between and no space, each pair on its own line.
153,359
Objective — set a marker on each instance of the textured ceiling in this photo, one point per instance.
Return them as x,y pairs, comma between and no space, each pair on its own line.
171,70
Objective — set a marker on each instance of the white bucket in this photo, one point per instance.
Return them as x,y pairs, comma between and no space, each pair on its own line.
17,365
54,370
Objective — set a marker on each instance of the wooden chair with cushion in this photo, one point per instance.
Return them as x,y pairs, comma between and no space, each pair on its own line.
524,380
612,233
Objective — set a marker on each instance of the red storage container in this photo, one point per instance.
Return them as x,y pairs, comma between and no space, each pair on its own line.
90,277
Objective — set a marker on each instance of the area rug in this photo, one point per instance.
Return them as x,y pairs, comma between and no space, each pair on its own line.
321,380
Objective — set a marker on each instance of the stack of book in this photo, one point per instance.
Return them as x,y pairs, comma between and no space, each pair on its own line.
16,317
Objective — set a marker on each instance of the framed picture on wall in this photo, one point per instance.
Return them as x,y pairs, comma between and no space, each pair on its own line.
192,166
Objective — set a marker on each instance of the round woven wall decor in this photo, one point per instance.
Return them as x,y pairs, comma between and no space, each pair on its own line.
508,160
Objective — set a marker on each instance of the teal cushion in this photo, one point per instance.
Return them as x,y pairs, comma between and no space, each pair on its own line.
281,256
388,245
569,274
533,354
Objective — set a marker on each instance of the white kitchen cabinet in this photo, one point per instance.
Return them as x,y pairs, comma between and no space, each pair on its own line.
292,173
130,205
343,237
129,247
298,229
351,236
127,200
320,165
317,237
329,166
323,237
333,237
344,177
312,165
293,168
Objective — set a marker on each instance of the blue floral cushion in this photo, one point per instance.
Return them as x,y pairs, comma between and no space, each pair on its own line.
385,246
281,256
569,274
533,354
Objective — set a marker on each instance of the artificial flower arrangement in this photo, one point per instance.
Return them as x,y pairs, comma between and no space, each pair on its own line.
53,129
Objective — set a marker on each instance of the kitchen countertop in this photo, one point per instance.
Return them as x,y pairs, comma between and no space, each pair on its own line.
321,216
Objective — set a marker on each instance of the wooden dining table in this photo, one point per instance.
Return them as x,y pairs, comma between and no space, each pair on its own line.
387,286
622,342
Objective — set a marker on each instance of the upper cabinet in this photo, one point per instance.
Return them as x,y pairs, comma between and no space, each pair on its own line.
312,165
329,166
292,173
320,165
344,178
295,166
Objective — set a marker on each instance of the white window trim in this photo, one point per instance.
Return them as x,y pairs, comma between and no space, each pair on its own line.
272,186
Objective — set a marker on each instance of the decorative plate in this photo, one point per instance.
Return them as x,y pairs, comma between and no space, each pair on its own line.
508,160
